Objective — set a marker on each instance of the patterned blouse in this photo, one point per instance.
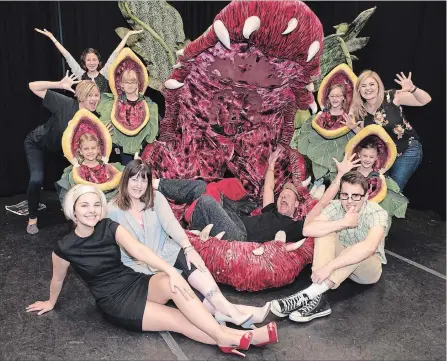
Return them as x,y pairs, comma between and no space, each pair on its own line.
392,118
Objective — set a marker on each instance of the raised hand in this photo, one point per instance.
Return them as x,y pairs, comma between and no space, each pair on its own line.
349,121
46,33
68,81
351,218
346,164
40,306
405,82
274,156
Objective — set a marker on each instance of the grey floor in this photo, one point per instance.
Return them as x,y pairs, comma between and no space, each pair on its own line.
400,318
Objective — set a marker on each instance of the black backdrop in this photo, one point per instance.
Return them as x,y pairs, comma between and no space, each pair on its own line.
405,36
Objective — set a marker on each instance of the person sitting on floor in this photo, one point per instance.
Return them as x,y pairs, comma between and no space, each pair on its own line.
349,242
146,214
127,298
275,217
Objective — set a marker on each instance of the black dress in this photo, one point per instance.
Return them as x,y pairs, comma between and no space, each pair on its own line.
119,291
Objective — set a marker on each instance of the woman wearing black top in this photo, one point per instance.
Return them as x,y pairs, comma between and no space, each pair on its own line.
373,105
48,137
127,298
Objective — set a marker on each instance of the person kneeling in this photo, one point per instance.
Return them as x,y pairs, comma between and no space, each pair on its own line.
349,242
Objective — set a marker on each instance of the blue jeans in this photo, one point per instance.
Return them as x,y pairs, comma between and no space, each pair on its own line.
405,165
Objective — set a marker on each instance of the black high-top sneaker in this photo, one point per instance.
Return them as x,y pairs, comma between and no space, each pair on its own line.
317,307
286,305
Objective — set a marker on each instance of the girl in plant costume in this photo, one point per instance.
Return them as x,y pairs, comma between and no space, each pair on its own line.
91,67
127,298
47,137
373,105
89,159
147,215
134,116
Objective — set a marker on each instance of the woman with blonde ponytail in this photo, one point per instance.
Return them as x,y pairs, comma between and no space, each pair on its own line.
371,104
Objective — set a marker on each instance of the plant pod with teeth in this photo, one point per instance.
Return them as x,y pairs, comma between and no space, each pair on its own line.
86,122
129,120
386,156
324,123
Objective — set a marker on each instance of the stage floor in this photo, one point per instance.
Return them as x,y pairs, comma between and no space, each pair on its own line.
402,317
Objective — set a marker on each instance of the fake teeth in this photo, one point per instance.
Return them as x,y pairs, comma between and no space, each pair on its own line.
313,107
180,52
176,66
220,235
306,182
173,84
313,49
310,87
222,33
291,25
252,24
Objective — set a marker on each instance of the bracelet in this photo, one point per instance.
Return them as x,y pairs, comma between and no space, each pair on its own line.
187,249
415,88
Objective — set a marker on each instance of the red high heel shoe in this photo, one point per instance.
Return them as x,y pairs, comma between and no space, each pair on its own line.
273,335
244,344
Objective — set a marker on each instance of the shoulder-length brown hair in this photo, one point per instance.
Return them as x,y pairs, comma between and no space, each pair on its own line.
358,105
133,168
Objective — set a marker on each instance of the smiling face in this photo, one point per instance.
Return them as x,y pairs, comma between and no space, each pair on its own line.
336,98
89,149
287,203
369,89
368,156
88,210
91,62
91,101
137,186
129,82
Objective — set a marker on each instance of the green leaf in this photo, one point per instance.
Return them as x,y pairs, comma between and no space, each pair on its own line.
300,117
392,185
356,44
357,25
318,149
163,36
395,204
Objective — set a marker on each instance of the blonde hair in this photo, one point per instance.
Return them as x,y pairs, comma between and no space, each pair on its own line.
87,137
131,75
73,195
343,90
84,88
358,109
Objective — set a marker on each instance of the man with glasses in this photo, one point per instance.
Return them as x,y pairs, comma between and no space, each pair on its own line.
349,243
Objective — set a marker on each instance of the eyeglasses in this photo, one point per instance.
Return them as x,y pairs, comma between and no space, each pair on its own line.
129,82
355,196
335,96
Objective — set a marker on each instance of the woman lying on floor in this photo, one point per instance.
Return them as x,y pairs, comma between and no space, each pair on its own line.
147,215
127,298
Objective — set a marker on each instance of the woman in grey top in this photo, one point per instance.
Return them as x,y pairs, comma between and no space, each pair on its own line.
147,215
91,66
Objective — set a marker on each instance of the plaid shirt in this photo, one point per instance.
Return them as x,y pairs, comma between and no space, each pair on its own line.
370,215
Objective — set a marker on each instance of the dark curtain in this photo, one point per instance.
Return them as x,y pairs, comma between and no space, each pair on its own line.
404,36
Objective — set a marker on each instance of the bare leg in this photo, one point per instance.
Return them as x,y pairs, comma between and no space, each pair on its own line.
191,319
259,313
207,286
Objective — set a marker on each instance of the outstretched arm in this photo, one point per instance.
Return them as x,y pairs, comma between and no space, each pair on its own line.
72,63
40,87
105,70
60,267
410,94
269,182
